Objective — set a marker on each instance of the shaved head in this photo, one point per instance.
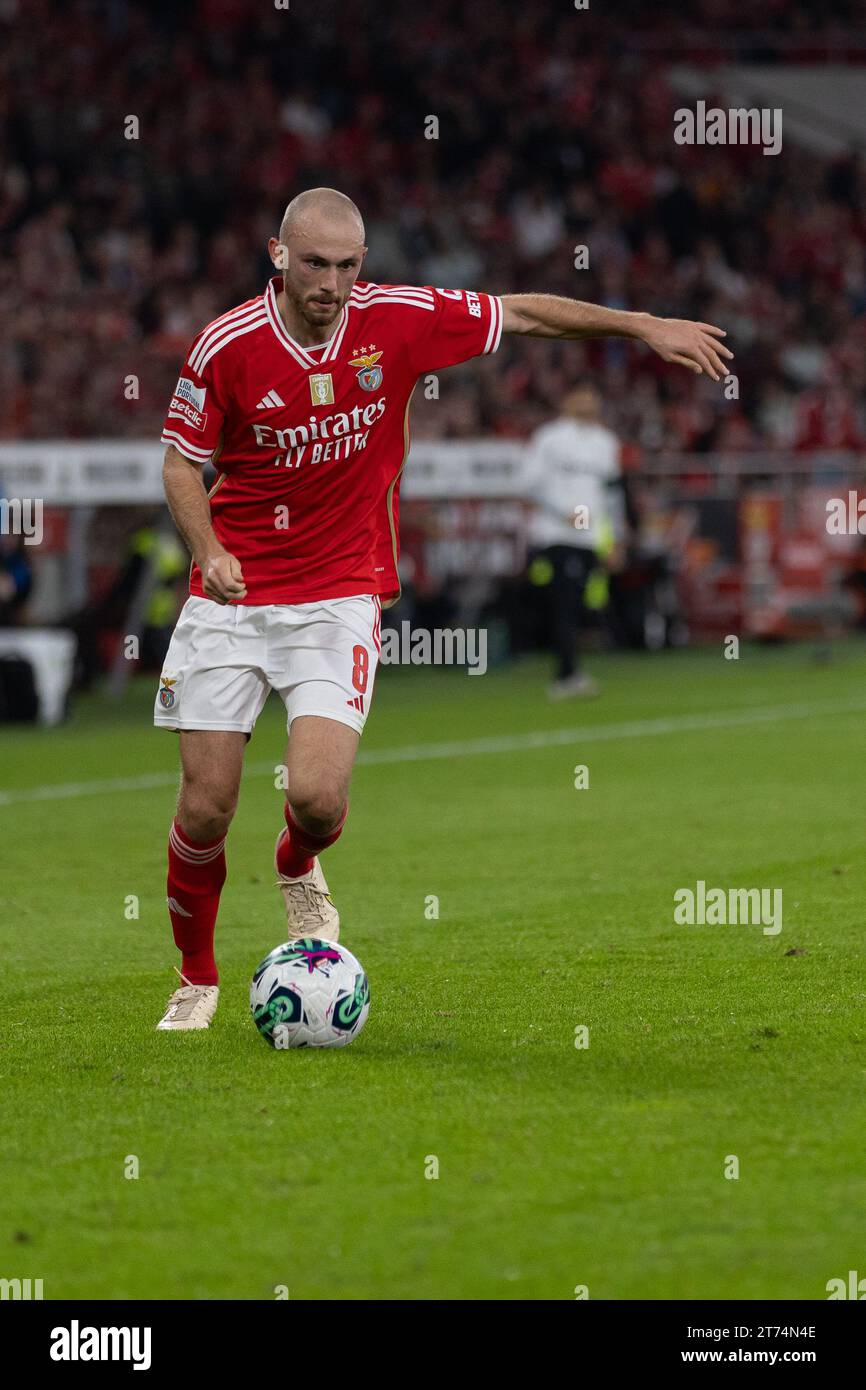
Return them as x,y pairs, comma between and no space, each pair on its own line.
320,252
317,206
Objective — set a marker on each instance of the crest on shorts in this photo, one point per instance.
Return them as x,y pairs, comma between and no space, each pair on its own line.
167,693
369,376
322,388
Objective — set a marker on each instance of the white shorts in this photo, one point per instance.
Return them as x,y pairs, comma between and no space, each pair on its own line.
223,661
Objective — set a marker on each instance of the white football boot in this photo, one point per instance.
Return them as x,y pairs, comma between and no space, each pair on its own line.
309,910
191,1006
573,687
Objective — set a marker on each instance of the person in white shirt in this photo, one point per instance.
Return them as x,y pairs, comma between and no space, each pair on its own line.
574,476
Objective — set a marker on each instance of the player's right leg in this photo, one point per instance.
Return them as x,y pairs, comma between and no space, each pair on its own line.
212,762
212,690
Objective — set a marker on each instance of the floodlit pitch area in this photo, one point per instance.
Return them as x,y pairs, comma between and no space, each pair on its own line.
558,1166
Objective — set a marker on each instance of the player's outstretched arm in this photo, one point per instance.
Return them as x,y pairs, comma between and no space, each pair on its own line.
693,345
185,493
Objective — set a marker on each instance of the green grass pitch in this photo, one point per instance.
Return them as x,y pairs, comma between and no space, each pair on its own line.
558,1166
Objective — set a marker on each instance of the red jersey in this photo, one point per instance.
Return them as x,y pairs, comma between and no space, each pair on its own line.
310,442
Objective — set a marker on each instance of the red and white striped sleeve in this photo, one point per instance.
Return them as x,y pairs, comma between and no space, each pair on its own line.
461,324
195,418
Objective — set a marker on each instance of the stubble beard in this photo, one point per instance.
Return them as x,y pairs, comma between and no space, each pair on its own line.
310,314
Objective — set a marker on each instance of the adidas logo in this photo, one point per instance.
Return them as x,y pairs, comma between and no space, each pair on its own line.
269,401
357,703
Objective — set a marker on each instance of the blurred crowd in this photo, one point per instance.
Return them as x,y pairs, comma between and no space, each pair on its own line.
555,131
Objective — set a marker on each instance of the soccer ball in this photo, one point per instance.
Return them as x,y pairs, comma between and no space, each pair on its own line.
309,993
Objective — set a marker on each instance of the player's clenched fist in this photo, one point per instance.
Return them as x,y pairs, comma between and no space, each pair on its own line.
222,578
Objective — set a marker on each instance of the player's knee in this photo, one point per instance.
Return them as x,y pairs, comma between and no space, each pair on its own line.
206,813
318,806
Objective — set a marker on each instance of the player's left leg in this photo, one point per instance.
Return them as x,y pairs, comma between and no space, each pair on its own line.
323,659
319,759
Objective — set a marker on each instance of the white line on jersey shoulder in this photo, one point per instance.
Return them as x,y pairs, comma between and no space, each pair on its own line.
216,330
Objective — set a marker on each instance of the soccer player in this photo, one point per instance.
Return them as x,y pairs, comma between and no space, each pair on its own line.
300,398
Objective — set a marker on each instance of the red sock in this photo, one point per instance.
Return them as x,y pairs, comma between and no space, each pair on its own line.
196,874
298,847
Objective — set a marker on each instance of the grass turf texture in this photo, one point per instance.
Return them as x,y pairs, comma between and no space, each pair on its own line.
557,1166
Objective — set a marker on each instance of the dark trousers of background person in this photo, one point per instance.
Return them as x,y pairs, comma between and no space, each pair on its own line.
571,566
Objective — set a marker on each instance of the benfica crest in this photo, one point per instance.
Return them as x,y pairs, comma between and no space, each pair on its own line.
167,694
369,376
